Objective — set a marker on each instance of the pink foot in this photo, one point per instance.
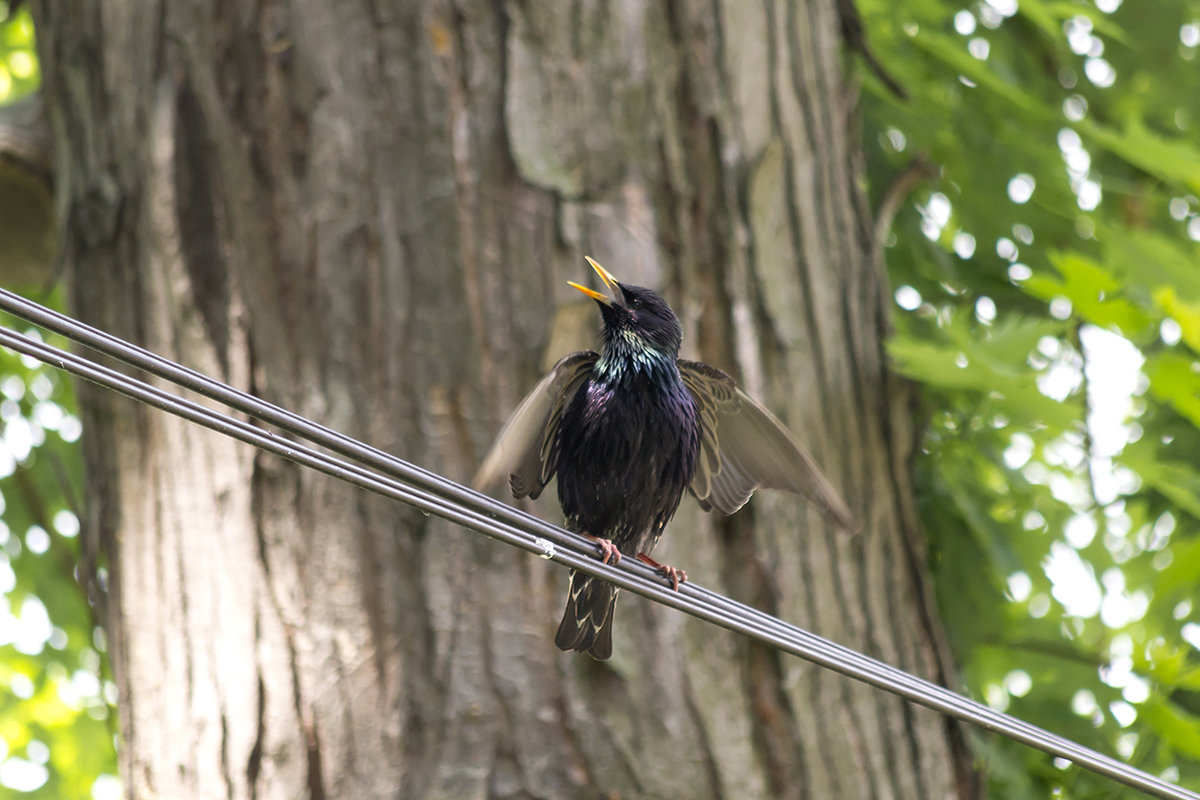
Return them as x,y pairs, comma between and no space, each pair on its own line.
675,575
608,550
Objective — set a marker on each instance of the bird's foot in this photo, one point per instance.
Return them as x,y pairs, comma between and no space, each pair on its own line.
608,550
675,575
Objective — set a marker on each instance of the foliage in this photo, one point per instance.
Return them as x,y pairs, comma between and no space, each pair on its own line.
19,73
57,731
1049,309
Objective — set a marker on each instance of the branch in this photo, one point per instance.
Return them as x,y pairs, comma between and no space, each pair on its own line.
919,169
27,232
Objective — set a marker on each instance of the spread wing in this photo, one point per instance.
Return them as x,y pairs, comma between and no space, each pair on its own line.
525,448
743,446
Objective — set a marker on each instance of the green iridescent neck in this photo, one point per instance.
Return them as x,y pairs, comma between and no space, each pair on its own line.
626,356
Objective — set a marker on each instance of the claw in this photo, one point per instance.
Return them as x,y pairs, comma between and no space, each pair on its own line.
675,575
608,550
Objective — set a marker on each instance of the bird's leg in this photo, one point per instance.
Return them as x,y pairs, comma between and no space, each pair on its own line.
673,574
608,550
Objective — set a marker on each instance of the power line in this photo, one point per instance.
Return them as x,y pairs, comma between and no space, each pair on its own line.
379,472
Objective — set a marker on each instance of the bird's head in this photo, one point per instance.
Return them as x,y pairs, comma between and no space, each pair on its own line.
635,318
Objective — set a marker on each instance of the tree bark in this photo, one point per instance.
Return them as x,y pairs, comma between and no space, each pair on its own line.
366,213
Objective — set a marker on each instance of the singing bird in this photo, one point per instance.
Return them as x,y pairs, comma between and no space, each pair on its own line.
627,430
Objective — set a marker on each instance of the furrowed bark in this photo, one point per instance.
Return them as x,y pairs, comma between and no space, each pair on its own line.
367,213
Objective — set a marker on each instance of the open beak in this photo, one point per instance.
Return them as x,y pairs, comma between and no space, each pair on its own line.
609,281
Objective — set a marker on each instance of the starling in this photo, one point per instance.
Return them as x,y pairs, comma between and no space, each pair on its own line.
627,430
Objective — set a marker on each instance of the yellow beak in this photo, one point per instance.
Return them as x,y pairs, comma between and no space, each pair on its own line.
605,276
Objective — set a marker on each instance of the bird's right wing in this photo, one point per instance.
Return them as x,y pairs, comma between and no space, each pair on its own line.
525,448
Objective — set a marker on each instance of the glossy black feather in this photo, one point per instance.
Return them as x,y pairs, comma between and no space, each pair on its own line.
627,447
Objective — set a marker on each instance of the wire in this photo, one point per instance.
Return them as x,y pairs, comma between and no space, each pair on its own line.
379,472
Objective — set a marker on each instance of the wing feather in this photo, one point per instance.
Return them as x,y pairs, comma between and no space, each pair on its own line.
743,447
525,448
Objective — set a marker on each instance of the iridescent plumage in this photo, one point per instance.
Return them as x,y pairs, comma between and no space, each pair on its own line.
627,430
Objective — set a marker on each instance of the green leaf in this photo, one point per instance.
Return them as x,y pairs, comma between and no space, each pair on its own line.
954,55
1179,728
1093,291
1186,314
1150,259
1174,161
1175,380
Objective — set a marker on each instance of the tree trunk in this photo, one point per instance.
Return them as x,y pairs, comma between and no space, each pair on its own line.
366,213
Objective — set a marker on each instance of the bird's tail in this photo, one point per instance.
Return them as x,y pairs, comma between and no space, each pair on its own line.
587,620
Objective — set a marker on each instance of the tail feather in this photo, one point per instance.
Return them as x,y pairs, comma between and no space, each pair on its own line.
586,625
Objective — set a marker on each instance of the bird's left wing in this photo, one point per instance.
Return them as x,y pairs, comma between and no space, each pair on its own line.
524,448
744,447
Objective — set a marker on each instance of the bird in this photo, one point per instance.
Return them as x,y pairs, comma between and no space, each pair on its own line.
627,430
